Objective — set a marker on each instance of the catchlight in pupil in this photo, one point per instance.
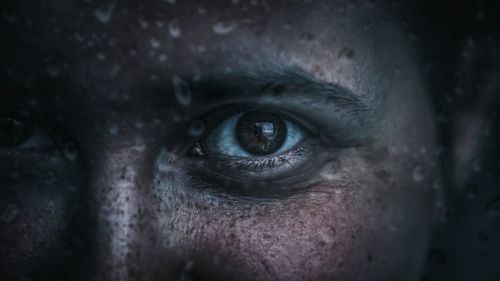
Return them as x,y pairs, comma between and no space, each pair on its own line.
261,133
250,134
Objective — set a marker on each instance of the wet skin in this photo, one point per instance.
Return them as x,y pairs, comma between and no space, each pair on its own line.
111,185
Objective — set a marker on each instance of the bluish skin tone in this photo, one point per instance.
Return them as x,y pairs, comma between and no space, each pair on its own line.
142,206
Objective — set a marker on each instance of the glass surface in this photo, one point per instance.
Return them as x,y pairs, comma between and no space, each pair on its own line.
249,140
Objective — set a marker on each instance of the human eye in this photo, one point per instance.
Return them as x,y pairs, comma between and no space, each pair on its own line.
256,150
23,131
254,134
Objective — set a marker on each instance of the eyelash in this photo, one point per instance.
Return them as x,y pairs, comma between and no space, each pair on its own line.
236,174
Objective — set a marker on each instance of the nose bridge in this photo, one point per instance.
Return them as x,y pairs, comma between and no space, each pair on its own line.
118,197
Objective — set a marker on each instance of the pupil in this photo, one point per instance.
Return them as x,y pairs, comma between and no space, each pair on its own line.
261,133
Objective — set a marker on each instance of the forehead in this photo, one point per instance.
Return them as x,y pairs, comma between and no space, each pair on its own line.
130,45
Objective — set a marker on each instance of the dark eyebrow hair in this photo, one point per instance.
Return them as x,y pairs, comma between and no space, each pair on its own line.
279,79
281,82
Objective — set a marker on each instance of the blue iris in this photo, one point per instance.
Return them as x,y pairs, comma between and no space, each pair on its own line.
223,140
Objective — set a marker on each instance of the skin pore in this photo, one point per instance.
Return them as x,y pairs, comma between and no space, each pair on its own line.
116,181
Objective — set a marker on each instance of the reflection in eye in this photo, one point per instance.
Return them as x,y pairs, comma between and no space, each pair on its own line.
255,133
255,147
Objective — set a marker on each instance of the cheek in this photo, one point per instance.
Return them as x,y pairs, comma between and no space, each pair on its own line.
373,224
34,203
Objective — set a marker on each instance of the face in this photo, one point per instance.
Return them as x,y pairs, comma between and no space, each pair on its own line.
164,140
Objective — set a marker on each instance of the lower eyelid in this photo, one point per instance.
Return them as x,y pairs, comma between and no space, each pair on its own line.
264,168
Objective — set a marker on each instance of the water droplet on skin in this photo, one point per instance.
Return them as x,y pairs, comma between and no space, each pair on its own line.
143,23
224,27
417,174
493,208
182,91
174,29
202,11
163,57
155,43
53,71
114,70
104,12
101,56
71,150
437,184
10,213
196,128
113,130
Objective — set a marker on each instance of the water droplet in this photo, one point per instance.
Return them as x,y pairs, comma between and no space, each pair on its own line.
493,208
224,27
143,23
113,130
101,56
163,57
104,12
170,1
196,128
182,91
155,43
53,71
114,70
417,174
10,213
174,29
71,150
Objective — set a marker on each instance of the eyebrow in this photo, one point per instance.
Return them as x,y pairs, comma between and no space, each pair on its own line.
295,80
287,82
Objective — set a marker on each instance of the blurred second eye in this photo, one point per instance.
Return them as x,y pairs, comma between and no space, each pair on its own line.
253,134
14,130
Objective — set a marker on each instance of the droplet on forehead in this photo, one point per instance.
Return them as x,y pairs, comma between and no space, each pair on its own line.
155,43
53,70
71,150
104,12
224,27
417,173
174,29
182,91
